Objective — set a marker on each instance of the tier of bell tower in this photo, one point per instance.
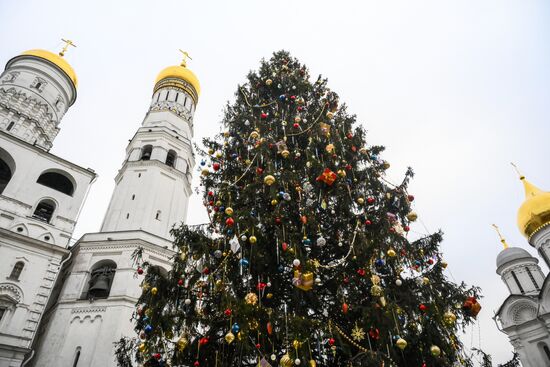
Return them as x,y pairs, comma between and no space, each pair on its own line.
154,184
36,90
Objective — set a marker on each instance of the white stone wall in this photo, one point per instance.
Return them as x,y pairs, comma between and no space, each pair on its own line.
93,326
23,193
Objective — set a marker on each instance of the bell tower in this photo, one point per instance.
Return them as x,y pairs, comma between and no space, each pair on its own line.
151,195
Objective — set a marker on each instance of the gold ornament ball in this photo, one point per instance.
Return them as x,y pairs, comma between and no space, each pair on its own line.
435,351
426,280
286,361
296,344
154,291
229,337
205,172
229,211
251,298
254,135
268,82
285,153
412,216
391,253
360,201
330,115
342,173
252,239
269,180
297,119
269,295
401,343
449,318
274,202
444,264
312,363
210,151
218,153
142,348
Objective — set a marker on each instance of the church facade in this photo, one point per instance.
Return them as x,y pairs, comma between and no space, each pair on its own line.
63,305
525,314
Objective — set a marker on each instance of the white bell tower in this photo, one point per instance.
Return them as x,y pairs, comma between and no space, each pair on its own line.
101,287
154,184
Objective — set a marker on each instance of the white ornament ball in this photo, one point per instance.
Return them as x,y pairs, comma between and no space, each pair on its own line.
297,361
296,262
243,238
273,357
321,241
399,282
317,280
268,284
187,301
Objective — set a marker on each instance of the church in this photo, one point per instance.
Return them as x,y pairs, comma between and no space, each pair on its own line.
524,316
65,304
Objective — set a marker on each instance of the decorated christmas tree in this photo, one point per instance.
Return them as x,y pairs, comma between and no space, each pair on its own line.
307,258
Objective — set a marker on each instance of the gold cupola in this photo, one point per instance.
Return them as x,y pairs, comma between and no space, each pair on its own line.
56,59
179,76
534,213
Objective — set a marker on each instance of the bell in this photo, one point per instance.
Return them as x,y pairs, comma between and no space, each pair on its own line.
100,285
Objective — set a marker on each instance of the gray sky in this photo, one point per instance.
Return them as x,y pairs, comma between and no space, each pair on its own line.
455,89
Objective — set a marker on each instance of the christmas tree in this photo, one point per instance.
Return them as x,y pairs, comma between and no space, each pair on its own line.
308,258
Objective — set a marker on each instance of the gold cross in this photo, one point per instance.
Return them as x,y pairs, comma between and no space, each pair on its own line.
67,44
185,57
521,177
500,235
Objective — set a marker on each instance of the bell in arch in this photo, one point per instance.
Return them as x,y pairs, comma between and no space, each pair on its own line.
100,284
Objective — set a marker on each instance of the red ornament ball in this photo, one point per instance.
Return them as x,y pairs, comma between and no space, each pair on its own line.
229,222
331,341
370,200
196,364
423,307
410,197
140,270
368,222
406,228
227,312
216,166
263,115
296,125
180,282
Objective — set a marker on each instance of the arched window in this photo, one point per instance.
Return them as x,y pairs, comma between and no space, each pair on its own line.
101,279
171,158
44,210
57,181
7,169
77,356
10,126
146,152
17,269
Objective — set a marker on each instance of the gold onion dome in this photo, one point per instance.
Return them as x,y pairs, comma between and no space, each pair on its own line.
534,213
169,76
56,60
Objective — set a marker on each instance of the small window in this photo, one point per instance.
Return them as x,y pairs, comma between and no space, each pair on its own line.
76,357
38,85
167,94
158,97
44,210
57,181
2,313
517,282
177,95
146,152
127,215
17,269
546,352
133,196
6,174
157,216
171,158
10,125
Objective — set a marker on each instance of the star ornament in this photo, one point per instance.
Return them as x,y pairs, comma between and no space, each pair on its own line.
358,333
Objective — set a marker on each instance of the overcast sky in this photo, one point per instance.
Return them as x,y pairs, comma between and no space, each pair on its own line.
455,89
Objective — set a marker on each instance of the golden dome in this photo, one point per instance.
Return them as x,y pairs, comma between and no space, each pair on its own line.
55,59
180,72
534,213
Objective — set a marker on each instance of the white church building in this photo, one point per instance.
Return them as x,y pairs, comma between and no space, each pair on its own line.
63,305
525,315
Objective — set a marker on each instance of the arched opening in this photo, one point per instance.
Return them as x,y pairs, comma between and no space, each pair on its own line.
16,271
44,210
171,158
7,169
146,152
57,181
101,279
77,356
10,126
